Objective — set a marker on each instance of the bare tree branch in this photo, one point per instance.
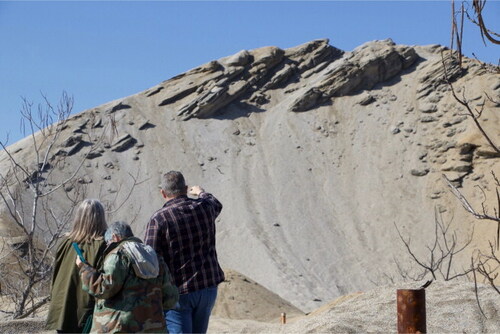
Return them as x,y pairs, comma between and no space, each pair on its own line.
478,8
466,203
35,307
475,114
440,256
475,288
28,189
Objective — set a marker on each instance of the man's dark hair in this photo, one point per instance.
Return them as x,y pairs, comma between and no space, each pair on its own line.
173,183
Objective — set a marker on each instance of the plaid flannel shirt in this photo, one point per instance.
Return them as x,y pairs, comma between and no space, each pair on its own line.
183,232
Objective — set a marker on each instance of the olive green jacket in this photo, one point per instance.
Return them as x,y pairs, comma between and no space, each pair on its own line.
69,303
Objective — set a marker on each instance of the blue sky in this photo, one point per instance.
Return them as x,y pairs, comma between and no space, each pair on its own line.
101,51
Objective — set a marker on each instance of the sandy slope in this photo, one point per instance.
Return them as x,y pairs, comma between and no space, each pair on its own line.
310,198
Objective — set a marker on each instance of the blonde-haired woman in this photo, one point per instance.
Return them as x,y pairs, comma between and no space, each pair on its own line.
70,305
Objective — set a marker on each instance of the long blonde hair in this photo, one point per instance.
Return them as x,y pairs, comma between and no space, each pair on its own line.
89,222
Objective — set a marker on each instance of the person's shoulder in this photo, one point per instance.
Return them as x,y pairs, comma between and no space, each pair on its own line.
114,256
172,205
97,245
158,213
97,240
64,249
64,243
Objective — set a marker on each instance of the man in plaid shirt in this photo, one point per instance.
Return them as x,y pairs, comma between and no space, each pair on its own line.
183,232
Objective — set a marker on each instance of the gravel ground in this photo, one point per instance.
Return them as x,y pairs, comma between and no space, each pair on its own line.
451,308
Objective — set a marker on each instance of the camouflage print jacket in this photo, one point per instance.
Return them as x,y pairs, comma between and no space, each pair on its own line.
125,302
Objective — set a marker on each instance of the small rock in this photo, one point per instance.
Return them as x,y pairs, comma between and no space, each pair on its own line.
447,125
290,90
434,98
119,106
447,146
467,168
123,143
422,155
419,172
458,120
467,148
428,108
428,119
451,132
366,100
72,140
435,195
93,155
467,157
477,177
97,123
146,125
84,180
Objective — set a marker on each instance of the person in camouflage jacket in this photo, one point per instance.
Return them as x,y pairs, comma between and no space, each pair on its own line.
133,287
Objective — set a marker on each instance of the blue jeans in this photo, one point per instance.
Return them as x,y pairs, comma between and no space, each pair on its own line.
192,312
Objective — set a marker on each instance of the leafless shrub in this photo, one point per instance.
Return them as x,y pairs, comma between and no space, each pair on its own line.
484,265
438,260
492,36
457,27
472,112
38,193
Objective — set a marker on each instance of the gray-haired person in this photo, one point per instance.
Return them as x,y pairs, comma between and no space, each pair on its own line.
183,233
132,289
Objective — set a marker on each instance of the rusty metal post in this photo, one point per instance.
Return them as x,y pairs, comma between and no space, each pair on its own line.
283,318
411,311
